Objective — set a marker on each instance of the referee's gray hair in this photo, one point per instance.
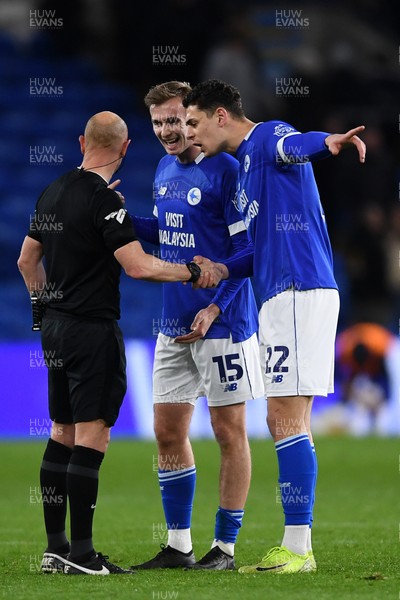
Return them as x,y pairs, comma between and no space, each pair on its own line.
159,94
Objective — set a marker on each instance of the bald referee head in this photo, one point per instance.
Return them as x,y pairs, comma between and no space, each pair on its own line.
105,141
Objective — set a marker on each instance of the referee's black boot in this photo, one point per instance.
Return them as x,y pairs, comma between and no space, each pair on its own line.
97,564
168,558
215,560
53,562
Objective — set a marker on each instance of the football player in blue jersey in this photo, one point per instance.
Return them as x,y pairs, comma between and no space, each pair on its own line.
291,257
195,213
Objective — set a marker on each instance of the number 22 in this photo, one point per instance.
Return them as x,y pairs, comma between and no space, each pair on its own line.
278,368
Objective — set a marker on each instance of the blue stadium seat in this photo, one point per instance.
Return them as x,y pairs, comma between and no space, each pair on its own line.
28,121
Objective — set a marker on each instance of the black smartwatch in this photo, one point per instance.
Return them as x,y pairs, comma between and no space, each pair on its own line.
195,271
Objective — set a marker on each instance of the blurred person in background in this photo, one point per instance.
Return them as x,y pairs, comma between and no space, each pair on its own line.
234,58
367,265
368,359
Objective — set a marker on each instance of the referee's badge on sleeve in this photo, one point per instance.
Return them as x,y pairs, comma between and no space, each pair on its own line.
118,215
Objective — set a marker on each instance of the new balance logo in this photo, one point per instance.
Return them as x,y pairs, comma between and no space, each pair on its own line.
230,387
118,215
277,378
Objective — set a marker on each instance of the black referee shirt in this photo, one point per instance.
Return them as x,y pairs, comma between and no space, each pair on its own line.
81,223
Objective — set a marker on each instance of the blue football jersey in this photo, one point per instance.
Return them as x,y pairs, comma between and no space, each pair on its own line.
279,201
197,215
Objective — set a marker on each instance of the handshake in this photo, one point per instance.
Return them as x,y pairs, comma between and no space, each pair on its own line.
211,272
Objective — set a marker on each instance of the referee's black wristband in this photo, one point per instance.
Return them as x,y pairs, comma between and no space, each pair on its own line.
195,271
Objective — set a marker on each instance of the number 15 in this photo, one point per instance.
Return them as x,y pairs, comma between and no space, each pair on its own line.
225,363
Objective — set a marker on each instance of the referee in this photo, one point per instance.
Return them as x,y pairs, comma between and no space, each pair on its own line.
81,230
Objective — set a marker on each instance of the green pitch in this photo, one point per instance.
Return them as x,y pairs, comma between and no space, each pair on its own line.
356,533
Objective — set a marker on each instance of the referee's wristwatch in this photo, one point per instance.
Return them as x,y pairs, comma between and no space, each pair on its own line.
195,271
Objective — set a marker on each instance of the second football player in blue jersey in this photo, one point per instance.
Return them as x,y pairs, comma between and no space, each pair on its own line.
291,257
195,213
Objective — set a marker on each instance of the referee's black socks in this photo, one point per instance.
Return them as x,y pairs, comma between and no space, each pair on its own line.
82,487
53,483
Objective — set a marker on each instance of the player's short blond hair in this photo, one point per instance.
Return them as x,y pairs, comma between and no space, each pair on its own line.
159,94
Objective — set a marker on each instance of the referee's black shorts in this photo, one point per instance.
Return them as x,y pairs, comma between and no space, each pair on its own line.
86,369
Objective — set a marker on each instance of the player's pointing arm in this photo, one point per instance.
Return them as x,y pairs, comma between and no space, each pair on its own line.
337,141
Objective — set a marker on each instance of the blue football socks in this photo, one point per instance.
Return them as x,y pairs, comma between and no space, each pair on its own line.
177,493
296,478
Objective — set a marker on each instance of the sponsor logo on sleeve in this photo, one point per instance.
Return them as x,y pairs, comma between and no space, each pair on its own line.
283,129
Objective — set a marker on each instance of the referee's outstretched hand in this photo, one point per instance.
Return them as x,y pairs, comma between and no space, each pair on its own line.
337,141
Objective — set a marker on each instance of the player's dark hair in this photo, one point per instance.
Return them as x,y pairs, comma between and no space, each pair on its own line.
211,94
159,94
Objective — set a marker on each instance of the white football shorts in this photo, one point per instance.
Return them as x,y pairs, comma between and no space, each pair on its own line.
224,371
297,342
